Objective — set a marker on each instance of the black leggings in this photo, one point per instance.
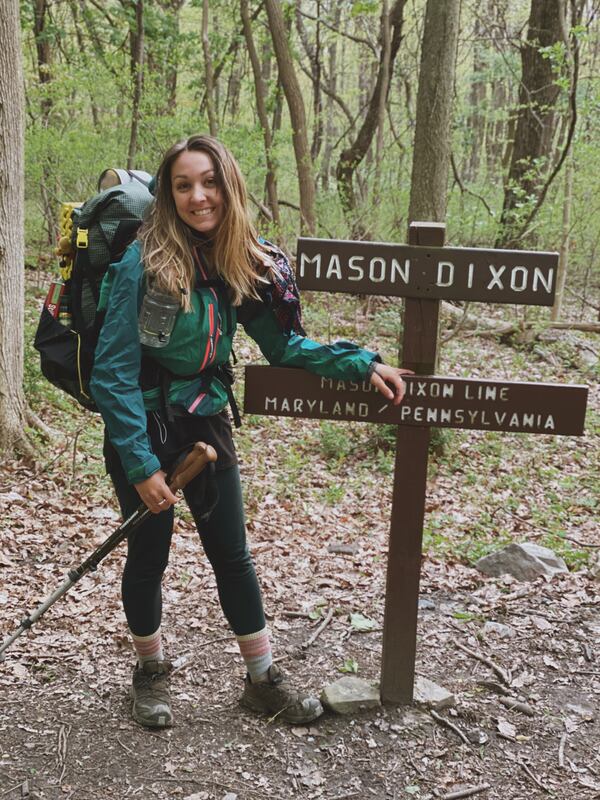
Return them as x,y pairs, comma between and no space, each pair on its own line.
223,537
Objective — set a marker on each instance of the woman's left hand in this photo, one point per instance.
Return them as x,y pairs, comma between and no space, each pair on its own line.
384,375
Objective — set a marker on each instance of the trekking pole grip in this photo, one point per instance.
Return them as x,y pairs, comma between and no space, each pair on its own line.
192,465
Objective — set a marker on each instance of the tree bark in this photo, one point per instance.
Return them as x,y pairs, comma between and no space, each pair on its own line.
261,108
172,11
314,57
433,130
331,89
476,125
293,94
208,73
385,69
352,156
137,77
43,46
563,256
538,95
12,204
82,47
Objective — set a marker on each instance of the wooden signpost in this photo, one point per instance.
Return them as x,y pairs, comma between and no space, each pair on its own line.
424,272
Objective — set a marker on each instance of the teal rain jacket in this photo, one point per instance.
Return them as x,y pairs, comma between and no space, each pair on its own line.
200,340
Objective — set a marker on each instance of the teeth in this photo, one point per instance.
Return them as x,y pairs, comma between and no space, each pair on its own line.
202,212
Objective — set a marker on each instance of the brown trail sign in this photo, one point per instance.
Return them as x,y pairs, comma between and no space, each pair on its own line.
424,272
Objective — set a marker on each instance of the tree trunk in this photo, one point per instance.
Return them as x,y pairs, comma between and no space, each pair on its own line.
293,94
12,202
433,130
82,47
314,57
137,77
385,68
476,125
208,73
261,107
563,256
43,46
538,95
330,127
234,87
173,9
351,157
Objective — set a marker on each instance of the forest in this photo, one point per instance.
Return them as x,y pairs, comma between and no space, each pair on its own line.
350,119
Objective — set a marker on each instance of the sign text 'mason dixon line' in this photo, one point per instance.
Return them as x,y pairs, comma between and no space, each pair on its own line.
431,401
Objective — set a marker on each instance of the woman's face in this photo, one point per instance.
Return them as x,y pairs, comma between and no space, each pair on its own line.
198,199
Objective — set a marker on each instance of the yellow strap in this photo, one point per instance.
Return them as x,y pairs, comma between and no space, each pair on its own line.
82,238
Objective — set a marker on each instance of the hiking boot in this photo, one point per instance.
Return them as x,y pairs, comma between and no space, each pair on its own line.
150,693
276,697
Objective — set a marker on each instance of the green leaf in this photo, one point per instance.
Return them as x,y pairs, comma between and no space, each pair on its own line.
350,665
364,7
464,615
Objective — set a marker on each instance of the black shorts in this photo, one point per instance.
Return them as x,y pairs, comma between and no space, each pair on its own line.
169,439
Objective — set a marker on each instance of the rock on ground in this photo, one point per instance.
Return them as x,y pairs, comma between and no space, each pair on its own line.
350,695
430,694
525,562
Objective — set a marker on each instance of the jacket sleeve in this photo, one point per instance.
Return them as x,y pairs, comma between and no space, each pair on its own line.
341,360
115,377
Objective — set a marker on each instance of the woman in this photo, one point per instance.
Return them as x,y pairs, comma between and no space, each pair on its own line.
198,255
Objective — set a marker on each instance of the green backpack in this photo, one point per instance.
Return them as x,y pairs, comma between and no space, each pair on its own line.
69,325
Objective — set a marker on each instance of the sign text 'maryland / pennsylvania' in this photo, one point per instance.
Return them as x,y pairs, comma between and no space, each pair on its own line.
450,273
429,401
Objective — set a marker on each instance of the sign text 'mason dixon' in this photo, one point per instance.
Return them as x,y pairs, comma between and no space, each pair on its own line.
378,269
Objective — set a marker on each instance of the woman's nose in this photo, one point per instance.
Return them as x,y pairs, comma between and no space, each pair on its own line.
198,193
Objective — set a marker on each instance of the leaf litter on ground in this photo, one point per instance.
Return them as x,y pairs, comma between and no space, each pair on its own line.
484,490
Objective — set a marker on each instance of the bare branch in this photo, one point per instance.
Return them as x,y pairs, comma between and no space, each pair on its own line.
357,39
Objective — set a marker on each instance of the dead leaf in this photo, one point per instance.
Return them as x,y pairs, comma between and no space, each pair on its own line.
506,729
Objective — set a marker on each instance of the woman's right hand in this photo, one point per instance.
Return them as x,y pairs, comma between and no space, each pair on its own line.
155,493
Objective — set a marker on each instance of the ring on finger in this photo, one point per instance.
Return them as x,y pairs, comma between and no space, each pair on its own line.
164,500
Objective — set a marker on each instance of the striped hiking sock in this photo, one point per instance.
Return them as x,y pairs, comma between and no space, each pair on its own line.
256,652
148,648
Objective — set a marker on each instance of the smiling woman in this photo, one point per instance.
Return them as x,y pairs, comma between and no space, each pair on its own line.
198,198
161,382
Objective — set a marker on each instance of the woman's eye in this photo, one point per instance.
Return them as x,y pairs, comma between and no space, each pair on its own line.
182,187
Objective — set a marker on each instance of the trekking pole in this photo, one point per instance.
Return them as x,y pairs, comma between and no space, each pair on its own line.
192,465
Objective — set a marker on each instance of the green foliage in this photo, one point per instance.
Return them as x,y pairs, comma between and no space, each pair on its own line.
364,7
334,439
333,494
349,666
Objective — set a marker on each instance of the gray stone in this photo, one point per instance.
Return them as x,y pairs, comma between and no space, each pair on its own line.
339,548
350,695
425,604
586,712
498,629
429,694
594,569
588,358
525,562
477,736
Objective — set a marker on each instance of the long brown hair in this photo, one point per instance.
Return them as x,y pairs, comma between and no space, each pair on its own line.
167,242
